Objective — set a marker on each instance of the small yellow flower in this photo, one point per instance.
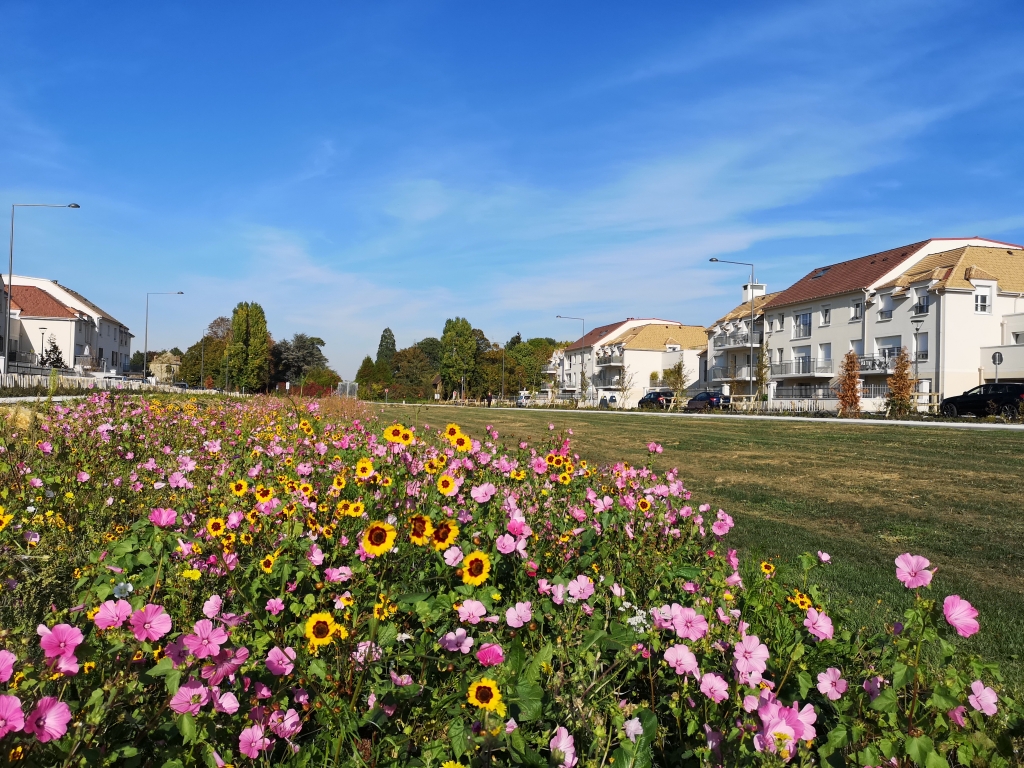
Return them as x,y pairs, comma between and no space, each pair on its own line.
321,628
476,568
239,487
379,538
192,574
484,693
267,563
364,468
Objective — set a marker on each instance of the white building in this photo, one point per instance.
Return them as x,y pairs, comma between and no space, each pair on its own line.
617,360
943,299
90,339
734,344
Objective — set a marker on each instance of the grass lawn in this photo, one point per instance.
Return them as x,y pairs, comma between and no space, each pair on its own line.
863,494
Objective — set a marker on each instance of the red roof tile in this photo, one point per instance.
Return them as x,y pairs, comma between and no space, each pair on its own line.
35,302
846,276
593,336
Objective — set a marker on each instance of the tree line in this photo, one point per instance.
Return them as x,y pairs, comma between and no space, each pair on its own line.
239,353
462,362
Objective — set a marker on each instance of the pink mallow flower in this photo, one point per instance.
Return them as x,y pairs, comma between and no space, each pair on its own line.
7,660
207,639
505,544
472,611
281,662
563,747
212,606
60,641
112,614
12,719
490,655
252,741
818,624
582,587
458,640
681,659
49,720
151,623
275,605
714,687
453,556
315,555
688,624
751,655
482,493
911,570
190,698
961,615
163,518
982,698
831,683
519,614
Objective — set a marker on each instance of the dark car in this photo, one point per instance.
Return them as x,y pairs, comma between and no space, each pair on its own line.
986,400
660,400
706,400
180,384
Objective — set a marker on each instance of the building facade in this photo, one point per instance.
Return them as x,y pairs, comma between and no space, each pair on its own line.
733,344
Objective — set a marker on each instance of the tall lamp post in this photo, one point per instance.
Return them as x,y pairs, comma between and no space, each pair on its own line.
583,326
917,322
10,268
42,342
145,347
750,365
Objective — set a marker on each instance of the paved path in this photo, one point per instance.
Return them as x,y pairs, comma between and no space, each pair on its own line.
39,398
965,424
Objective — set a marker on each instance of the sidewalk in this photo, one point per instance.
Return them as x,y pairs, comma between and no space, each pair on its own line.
966,424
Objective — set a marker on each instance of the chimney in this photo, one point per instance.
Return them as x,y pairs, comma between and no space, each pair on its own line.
757,289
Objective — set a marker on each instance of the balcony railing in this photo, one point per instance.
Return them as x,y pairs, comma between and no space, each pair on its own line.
86,362
608,360
921,308
885,314
730,373
801,331
803,366
922,357
725,340
878,363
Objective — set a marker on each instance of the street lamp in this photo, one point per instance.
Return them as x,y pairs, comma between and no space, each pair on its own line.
145,347
42,341
750,364
10,267
583,325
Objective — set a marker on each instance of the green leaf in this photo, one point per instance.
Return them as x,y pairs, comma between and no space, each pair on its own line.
687,572
590,639
935,760
885,701
172,680
187,728
411,599
457,737
145,558
805,683
386,635
838,737
529,696
798,652
317,668
516,657
901,675
543,656
163,667
919,747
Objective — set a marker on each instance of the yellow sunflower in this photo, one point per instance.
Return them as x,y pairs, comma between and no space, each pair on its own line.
406,437
245,538
320,629
431,467
484,693
338,482
643,505
444,535
357,509
267,563
476,568
239,487
462,443
215,526
264,494
768,569
452,431
379,538
393,434
364,468
422,528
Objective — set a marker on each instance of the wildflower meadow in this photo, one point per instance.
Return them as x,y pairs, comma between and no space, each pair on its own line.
277,582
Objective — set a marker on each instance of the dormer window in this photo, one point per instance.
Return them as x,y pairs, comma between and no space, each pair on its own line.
983,301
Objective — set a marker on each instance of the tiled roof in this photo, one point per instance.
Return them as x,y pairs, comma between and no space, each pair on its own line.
594,336
845,276
956,269
743,310
92,306
35,302
657,335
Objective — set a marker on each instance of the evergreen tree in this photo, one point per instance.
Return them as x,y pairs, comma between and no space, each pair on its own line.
431,347
366,374
386,349
52,358
257,367
236,358
514,341
458,353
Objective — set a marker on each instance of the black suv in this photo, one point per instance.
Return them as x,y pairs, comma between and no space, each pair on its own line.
655,400
706,400
986,400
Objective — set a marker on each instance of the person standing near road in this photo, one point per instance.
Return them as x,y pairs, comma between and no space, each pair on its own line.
489,398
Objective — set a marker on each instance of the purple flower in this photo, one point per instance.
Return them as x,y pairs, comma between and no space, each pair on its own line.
49,720
961,615
482,493
910,569
490,655
506,544
212,606
518,615
458,640
281,662
112,614
751,655
207,639
633,728
163,518
714,687
275,605
818,624
563,746
190,698
60,641
582,587
681,659
12,718
982,698
335,575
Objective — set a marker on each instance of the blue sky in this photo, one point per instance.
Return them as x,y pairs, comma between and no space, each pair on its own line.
359,165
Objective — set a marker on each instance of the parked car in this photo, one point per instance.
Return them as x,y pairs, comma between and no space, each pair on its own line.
986,400
180,384
660,400
707,400
523,400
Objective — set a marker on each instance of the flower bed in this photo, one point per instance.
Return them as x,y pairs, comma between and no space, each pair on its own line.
223,583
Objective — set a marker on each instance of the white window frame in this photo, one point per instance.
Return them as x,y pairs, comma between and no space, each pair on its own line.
983,301
825,316
856,311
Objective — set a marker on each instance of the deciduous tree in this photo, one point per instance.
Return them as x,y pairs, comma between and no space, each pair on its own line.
849,386
900,400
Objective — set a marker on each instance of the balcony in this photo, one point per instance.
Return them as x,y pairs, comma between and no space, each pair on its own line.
731,373
802,331
726,340
921,308
608,360
922,357
803,366
87,363
878,363
885,314
547,370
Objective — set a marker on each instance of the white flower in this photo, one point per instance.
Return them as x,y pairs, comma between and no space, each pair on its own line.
123,589
404,637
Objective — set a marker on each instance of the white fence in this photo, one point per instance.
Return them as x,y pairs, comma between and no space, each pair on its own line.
88,383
